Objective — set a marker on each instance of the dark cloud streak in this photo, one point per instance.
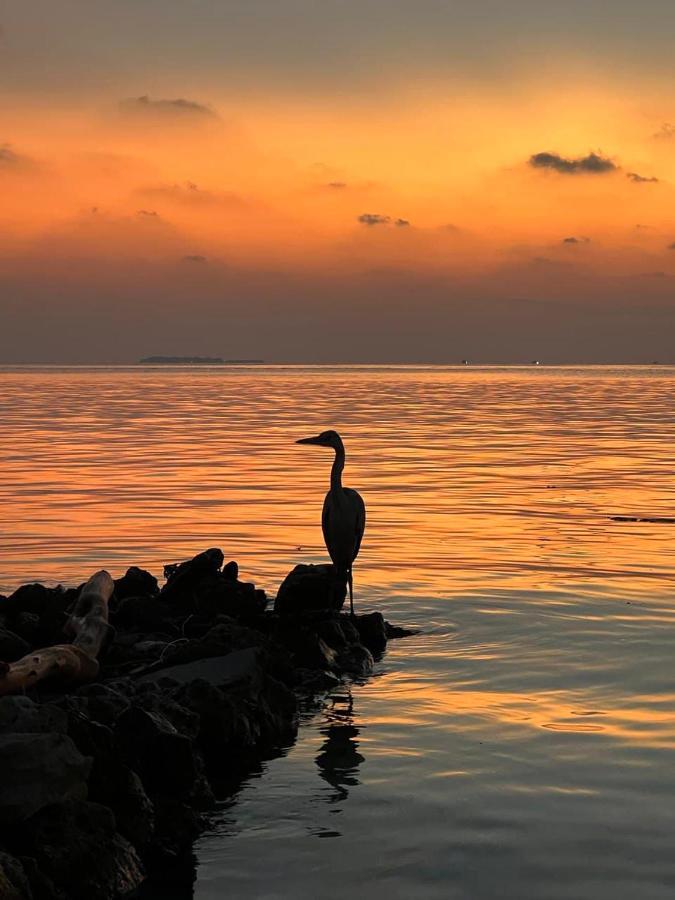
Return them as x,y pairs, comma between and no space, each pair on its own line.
592,164
178,108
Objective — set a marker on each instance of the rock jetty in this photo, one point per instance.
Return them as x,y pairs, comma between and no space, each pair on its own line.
105,785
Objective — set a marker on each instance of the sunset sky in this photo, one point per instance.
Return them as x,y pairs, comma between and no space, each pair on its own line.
337,181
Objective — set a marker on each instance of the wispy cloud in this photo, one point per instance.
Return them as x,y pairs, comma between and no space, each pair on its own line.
177,108
665,133
374,219
641,179
371,219
189,194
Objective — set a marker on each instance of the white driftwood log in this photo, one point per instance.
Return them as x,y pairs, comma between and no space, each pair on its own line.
69,663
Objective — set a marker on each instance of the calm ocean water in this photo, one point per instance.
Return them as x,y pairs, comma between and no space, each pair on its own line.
522,746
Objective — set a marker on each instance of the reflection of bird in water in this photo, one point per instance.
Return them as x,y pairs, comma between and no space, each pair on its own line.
344,513
338,759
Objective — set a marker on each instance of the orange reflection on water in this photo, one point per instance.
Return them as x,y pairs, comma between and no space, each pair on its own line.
471,476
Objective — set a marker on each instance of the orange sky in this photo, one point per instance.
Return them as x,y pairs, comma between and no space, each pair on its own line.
207,192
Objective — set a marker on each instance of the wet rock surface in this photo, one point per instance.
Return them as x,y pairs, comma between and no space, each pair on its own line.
106,785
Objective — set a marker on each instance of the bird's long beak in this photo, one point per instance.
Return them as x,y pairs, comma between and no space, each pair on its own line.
312,440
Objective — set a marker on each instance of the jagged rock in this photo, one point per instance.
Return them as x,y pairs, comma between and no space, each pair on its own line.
372,631
20,714
105,705
183,579
313,680
12,646
111,781
312,652
39,769
14,883
184,720
30,598
136,583
309,587
357,660
27,626
223,595
150,745
231,571
143,615
77,845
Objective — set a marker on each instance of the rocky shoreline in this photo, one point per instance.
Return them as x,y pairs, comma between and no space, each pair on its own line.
106,785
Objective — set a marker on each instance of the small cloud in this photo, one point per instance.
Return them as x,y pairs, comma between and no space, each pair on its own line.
665,133
576,240
401,223
337,185
641,179
178,108
11,161
374,219
147,213
195,258
592,164
652,275
7,156
671,246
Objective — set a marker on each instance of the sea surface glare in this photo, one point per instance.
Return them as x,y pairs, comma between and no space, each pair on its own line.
522,745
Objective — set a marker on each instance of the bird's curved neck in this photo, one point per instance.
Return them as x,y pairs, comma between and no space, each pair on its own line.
338,466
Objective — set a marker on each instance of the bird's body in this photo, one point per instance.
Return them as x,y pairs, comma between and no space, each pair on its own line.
344,514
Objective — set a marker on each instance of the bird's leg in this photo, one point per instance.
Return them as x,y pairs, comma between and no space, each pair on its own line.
351,592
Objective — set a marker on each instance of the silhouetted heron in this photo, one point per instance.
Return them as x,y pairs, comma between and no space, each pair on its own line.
344,513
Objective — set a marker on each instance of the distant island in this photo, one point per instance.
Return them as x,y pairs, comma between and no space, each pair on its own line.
196,361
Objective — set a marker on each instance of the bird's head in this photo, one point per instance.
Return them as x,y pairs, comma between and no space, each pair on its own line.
325,439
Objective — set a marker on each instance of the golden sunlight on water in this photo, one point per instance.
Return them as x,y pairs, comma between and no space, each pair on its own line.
471,477
528,729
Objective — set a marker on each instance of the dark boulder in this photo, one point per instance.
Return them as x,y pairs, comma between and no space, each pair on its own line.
38,770
184,579
372,631
30,598
216,670
14,883
77,846
27,626
309,587
21,715
357,660
164,759
143,614
112,782
135,583
12,646
104,704
223,595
